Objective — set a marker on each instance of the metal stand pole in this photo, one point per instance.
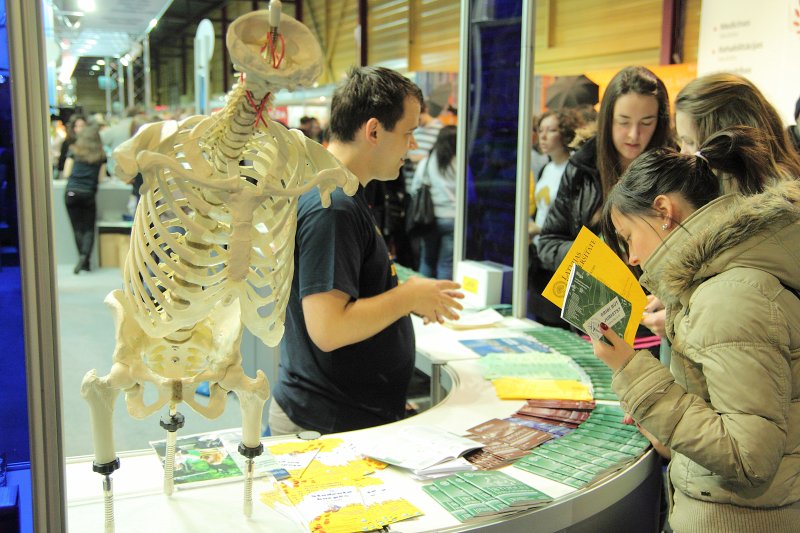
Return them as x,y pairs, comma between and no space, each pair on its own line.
172,424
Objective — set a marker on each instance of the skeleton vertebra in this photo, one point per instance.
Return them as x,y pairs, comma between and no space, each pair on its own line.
212,241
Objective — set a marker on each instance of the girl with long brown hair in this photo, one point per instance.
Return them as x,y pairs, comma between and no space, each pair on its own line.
634,117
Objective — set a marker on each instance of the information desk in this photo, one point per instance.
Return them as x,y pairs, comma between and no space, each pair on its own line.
627,501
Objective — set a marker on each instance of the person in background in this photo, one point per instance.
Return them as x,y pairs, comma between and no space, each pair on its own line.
714,102
634,117
425,137
587,114
794,129
311,128
347,355
439,171
728,269
390,199
556,132
85,167
74,125
138,180
58,132
118,133
710,104
538,158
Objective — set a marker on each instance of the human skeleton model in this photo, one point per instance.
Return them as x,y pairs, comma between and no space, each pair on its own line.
212,246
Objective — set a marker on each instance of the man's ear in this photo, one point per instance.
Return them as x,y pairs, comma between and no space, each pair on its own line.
371,129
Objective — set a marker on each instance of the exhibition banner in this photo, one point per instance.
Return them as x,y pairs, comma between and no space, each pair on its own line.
762,44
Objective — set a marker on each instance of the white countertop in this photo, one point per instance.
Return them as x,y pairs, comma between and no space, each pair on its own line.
140,504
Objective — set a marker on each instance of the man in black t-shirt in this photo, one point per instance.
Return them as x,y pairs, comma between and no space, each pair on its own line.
347,354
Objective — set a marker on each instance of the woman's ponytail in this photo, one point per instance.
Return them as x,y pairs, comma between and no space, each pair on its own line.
742,154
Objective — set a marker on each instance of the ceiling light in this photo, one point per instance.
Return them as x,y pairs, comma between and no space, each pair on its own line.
68,63
101,62
153,23
124,61
95,67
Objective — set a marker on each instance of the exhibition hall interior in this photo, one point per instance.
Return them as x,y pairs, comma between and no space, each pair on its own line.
399,265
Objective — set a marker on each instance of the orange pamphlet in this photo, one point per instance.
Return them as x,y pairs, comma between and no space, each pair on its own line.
598,259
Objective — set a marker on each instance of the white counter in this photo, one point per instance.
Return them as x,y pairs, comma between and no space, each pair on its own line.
626,502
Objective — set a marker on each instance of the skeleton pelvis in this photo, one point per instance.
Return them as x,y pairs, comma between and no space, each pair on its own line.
207,348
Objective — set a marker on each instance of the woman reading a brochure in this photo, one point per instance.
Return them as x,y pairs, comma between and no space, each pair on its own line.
728,269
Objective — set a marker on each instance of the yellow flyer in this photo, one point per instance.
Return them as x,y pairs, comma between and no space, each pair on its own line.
598,259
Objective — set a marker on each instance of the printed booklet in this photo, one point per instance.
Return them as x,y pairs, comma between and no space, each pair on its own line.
598,259
207,458
588,302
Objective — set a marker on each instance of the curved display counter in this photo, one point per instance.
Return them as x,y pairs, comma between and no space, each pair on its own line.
626,501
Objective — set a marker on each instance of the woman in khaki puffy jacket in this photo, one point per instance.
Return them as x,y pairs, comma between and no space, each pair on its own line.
728,269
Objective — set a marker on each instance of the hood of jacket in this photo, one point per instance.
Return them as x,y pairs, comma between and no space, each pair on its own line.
586,157
760,231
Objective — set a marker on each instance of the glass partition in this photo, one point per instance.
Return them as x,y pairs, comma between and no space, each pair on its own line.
491,128
494,153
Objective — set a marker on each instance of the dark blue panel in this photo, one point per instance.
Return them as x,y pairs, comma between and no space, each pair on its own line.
14,438
492,125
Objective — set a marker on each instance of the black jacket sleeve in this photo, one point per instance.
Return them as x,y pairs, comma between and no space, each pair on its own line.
558,231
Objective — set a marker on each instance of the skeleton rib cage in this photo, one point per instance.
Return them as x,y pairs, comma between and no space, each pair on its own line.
203,239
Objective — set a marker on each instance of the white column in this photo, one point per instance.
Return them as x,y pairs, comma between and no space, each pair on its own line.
131,93
148,101
107,71
121,87
519,298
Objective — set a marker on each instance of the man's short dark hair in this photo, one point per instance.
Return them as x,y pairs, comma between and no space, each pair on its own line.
369,92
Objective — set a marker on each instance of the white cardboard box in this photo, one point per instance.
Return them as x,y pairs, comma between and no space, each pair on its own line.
482,282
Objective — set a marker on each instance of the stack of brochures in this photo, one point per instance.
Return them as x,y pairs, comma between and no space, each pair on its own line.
503,442
511,344
332,489
531,365
565,413
474,319
581,351
599,446
206,458
470,496
426,451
